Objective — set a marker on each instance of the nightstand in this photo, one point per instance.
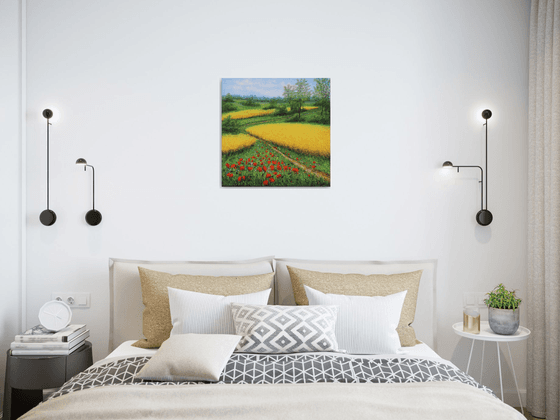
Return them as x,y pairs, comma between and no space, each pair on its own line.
486,334
27,376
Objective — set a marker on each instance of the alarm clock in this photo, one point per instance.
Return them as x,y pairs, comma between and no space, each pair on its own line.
55,315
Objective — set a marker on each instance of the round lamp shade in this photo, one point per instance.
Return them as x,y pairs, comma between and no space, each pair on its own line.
93,217
47,217
484,217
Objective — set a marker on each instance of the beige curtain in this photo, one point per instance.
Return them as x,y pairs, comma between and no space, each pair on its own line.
543,297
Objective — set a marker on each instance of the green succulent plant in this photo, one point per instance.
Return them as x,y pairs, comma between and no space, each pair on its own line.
501,298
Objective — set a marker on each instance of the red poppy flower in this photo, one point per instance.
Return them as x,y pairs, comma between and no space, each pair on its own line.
227,165
278,167
265,183
268,175
249,168
238,179
314,162
278,176
242,167
272,180
296,170
285,168
230,175
313,166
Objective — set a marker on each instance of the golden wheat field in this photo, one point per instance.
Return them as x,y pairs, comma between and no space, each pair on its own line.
234,142
249,113
308,108
304,138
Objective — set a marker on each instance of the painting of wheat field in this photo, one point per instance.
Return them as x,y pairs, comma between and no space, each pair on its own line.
276,132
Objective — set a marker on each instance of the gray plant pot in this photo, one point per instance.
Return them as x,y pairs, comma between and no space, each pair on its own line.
503,321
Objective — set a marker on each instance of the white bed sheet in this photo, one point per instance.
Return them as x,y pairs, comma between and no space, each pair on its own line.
126,349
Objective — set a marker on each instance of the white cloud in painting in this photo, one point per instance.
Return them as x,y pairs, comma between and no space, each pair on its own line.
258,87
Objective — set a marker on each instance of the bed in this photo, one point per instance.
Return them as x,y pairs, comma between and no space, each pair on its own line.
413,382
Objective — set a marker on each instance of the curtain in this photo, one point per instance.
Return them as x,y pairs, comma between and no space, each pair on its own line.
543,297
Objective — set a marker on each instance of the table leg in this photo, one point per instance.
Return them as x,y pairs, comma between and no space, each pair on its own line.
482,362
515,379
24,400
500,368
470,354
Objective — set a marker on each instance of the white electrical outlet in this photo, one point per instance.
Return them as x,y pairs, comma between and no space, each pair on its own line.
473,298
74,300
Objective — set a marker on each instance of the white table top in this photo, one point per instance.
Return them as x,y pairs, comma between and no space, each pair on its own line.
486,333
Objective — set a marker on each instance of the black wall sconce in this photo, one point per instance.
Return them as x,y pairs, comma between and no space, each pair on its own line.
93,217
48,217
483,217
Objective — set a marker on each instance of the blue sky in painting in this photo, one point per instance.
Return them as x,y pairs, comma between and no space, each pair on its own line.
258,87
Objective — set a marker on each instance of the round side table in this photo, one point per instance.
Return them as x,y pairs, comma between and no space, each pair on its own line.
486,334
27,376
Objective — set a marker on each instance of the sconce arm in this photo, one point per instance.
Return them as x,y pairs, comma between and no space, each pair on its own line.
93,170
481,179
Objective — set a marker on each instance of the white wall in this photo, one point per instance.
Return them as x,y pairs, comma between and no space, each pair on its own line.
10,178
137,86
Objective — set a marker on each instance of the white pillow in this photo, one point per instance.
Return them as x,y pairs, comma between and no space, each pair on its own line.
365,324
190,357
200,313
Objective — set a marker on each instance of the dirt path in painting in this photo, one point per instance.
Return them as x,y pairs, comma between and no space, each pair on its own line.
318,174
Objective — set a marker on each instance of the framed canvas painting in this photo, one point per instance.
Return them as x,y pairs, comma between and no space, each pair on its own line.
276,132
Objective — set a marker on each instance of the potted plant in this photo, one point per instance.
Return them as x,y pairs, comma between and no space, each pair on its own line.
503,310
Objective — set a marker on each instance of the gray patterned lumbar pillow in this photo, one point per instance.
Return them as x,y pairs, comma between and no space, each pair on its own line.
285,329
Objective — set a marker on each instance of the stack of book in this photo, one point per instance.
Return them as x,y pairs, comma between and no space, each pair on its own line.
40,341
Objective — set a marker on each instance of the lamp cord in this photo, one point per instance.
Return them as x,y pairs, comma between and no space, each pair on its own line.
486,166
48,148
93,170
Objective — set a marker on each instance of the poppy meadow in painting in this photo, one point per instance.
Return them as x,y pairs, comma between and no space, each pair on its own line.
276,132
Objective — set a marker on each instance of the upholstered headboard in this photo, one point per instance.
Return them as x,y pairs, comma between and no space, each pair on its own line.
425,323
126,294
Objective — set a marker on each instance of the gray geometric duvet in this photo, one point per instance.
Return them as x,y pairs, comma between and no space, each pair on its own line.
245,368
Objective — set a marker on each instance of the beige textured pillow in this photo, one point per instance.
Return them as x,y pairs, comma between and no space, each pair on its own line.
157,316
190,357
364,285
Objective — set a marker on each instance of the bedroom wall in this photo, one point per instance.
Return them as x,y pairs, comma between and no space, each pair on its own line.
10,178
136,89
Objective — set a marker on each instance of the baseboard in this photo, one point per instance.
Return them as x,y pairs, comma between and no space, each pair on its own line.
511,397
